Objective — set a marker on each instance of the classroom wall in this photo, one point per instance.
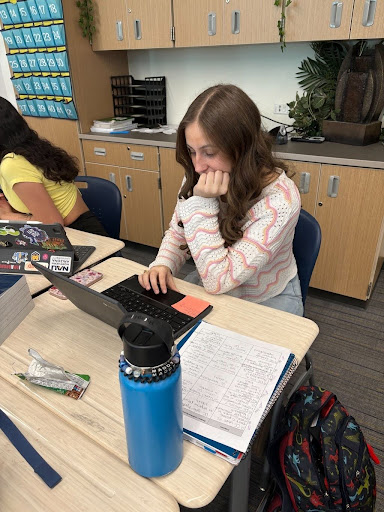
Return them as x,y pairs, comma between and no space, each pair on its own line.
263,71
6,87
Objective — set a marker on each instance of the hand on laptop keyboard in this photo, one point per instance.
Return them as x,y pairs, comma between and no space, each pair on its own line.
159,278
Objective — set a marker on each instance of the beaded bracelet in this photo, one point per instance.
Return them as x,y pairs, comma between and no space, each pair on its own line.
149,375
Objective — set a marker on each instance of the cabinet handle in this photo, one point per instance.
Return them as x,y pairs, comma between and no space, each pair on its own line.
212,24
135,155
305,179
137,26
333,186
128,182
112,177
119,31
336,12
369,13
100,151
235,22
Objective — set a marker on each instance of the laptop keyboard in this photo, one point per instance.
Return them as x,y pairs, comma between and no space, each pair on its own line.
133,301
82,253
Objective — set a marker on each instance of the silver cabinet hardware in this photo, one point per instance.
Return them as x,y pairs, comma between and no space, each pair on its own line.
336,12
333,186
135,155
128,183
112,177
235,22
369,13
305,180
212,24
137,26
100,151
119,31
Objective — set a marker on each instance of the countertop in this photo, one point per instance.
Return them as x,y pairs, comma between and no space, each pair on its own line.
371,156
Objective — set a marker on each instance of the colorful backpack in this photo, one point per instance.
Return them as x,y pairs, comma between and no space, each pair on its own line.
319,457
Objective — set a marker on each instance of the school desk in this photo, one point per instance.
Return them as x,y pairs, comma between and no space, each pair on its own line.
65,335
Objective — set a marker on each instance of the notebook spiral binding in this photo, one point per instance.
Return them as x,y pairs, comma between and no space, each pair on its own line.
276,394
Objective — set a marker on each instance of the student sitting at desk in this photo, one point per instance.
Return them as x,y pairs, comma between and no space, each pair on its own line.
36,178
237,209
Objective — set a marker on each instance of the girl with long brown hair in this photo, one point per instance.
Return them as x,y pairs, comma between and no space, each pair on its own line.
237,208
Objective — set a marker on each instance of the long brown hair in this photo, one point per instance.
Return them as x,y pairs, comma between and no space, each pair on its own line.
231,121
17,137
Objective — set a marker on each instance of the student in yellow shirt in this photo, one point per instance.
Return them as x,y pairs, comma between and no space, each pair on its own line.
36,178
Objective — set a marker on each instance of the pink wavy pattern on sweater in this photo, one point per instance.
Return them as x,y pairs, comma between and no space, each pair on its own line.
200,230
286,192
256,296
201,213
204,247
165,250
272,223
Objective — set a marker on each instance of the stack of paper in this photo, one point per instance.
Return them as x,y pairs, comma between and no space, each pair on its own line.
230,382
15,303
113,125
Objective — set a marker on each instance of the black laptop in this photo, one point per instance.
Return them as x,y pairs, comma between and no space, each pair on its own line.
113,304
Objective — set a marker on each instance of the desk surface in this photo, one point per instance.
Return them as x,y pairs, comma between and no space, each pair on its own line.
64,335
92,478
104,247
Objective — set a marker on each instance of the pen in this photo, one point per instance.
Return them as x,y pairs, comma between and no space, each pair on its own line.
123,131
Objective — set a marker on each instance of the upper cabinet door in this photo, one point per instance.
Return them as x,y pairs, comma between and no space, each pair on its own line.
251,21
149,23
368,20
111,25
198,22
317,20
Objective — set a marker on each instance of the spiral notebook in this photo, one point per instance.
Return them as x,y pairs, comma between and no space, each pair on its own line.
230,383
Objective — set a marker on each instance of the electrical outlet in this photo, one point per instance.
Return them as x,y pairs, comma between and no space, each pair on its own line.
280,108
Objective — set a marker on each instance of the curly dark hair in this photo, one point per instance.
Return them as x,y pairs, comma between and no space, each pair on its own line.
17,137
231,121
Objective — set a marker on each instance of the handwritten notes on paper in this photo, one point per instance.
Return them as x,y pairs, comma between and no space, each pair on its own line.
228,380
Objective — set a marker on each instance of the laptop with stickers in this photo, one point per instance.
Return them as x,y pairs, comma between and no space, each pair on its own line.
24,243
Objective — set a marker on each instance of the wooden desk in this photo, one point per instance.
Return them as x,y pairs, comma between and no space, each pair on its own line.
92,478
104,247
80,343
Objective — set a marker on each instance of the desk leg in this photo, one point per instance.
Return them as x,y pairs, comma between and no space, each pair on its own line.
238,498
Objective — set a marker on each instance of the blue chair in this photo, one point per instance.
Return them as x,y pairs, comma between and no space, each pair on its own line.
103,198
306,246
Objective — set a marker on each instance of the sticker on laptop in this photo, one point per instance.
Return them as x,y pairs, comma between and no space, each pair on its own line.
20,256
56,244
34,234
9,230
60,263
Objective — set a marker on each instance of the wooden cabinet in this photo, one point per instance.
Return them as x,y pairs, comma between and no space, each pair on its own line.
350,211
250,21
218,22
172,175
311,20
368,20
198,22
135,170
132,24
306,178
348,204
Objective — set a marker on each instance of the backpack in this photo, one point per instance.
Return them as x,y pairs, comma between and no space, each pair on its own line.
319,457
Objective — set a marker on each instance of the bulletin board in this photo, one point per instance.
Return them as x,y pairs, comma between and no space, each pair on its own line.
34,33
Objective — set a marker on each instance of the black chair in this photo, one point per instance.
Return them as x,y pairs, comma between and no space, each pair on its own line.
103,198
306,246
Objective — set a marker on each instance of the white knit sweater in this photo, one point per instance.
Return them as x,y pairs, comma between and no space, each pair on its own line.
255,268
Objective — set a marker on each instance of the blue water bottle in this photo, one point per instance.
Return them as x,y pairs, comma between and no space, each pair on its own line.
150,384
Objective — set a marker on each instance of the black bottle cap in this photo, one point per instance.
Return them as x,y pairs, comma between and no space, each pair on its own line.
147,341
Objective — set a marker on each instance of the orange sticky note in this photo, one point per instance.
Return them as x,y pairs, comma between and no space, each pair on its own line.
191,306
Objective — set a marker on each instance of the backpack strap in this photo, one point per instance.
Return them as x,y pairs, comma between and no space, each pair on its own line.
34,459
